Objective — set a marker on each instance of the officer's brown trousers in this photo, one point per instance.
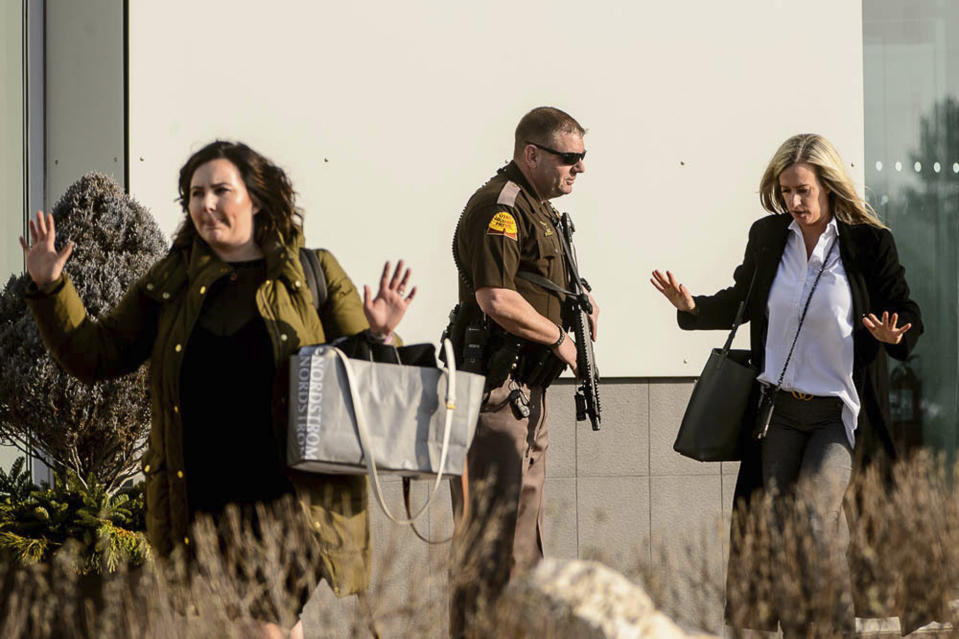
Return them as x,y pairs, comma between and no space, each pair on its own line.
504,534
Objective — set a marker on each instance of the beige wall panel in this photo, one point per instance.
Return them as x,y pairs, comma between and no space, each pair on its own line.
84,92
388,115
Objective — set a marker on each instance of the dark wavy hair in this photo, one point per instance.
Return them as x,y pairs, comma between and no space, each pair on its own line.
268,185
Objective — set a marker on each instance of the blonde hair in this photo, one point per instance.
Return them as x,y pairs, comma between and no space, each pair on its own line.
845,203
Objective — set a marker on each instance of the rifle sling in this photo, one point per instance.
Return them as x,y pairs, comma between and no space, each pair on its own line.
528,275
568,254
539,280
570,260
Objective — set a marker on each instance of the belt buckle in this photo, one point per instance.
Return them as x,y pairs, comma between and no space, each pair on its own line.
806,397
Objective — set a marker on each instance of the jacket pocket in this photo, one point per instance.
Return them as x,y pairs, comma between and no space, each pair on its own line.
547,247
338,510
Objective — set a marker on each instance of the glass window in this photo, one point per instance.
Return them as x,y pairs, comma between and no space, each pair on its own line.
911,87
11,137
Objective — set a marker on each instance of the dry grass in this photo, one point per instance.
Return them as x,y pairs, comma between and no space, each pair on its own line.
903,559
904,552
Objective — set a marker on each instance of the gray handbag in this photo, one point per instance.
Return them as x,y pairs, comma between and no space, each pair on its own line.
359,417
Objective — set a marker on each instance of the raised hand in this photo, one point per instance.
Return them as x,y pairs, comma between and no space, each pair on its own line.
677,294
44,263
885,330
385,311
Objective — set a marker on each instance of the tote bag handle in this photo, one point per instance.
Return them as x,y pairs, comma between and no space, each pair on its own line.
739,316
364,433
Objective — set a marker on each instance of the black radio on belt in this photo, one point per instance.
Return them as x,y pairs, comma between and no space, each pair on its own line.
468,330
475,338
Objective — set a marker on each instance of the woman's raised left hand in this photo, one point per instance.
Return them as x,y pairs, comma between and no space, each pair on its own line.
885,330
385,311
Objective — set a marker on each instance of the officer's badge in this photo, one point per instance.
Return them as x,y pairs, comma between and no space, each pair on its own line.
502,224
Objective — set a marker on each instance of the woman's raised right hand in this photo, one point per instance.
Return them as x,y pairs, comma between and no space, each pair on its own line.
44,263
677,294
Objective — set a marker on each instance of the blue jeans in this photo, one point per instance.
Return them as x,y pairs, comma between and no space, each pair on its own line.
807,464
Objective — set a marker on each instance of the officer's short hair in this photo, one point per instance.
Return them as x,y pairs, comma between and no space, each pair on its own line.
541,124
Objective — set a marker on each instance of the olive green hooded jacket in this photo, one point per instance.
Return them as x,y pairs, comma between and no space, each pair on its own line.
154,321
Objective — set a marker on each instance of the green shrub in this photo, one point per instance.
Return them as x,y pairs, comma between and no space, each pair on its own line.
97,530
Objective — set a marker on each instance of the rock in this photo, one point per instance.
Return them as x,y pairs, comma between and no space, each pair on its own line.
572,599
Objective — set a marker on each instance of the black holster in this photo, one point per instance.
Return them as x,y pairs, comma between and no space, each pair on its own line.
483,347
470,336
537,366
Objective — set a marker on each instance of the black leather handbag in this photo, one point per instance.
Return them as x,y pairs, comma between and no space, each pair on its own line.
728,406
719,416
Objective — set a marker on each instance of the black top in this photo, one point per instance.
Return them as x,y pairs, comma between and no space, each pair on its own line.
230,453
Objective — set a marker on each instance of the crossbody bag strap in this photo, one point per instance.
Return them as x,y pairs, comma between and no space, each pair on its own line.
802,317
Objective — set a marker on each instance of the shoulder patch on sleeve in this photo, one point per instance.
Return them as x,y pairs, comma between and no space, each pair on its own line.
502,224
507,195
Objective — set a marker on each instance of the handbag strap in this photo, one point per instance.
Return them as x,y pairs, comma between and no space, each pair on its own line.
739,315
802,317
457,525
363,431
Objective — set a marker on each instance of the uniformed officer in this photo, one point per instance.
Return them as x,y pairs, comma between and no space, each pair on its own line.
513,331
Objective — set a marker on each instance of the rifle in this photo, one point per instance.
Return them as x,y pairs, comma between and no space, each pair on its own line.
587,395
578,308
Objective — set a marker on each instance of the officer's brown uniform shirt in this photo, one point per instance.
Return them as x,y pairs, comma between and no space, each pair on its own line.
505,229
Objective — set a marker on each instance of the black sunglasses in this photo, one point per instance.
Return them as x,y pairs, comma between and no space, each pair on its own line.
567,157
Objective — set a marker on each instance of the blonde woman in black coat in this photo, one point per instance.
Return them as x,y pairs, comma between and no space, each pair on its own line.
834,395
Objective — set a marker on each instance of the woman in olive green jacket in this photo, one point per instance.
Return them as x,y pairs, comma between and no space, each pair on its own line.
219,317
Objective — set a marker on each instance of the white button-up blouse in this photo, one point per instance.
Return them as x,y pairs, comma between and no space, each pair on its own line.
822,360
